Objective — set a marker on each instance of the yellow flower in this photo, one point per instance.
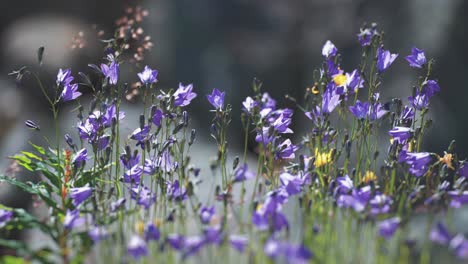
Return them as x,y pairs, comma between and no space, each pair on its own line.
368,177
447,159
322,158
140,227
339,79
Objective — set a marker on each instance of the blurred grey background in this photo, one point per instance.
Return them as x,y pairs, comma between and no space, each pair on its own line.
225,44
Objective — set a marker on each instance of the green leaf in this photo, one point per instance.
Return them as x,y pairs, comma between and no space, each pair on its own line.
31,155
53,178
12,260
38,148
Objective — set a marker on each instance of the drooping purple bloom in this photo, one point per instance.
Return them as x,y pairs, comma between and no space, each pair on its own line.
143,195
269,215
329,49
249,104
281,124
460,246
32,125
157,117
148,76
64,77
365,36
192,245
268,102
213,234
430,87
418,161
80,194
388,227
264,136
458,198
291,253
380,204
330,99
242,173
129,161
110,114
417,58
117,204
463,170
133,174
239,242
216,98
151,232
354,81
98,233
73,220
206,214
293,183
286,150
439,234
400,134
359,110
5,217
176,241
175,191
137,247
184,95
384,59
344,184
103,142
80,158
140,134
111,71
377,111
407,115
419,101
70,92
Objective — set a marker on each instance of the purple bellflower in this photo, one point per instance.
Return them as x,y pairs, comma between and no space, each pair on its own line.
329,49
70,92
184,95
239,242
216,99
206,214
111,71
80,158
242,173
5,217
400,134
137,247
143,196
384,59
417,58
388,227
359,110
148,76
286,150
80,194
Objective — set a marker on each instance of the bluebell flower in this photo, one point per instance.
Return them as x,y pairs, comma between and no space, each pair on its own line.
384,59
417,58
419,101
268,102
329,49
133,174
80,194
70,92
430,87
344,184
206,214
418,161
64,77
175,191
216,98
458,198
148,76
242,173
98,233
249,104
400,134
463,170
388,227
365,36
137,247
239,242
293,183
459,245
376,111
440,235
116,205
407,115
281,124
73,220
359,110
380,204
111,71
143,196
157,117
5,217
151,232
330,99
184,95
286,150
80,158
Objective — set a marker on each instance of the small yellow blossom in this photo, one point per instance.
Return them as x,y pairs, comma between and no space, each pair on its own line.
368,177
447,159
339,79
315,90
322,158
140,227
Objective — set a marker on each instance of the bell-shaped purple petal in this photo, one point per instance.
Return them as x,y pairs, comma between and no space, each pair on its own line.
417,58
216,99
80,194
384,59
148,76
